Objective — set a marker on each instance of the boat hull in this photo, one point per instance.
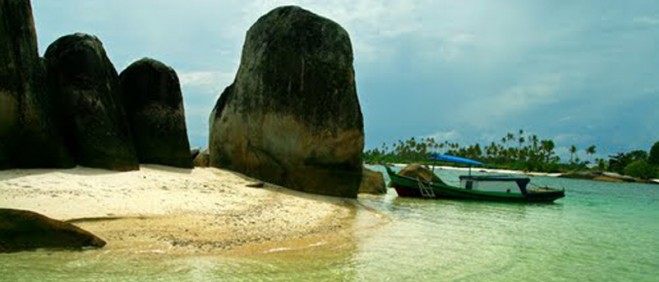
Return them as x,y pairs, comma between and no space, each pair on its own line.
408,188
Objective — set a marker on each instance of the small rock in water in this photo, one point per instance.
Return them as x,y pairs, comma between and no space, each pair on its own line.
255,185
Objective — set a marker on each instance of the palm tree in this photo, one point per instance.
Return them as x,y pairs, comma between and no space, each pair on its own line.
521,141
573,151
534,140
548,147
591,150
510,136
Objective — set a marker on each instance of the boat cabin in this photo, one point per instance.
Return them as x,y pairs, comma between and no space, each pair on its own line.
502,184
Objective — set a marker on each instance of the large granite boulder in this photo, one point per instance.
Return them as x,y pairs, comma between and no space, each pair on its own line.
292,116
22,230
154,106
86,86
29,135
372,182
419,171
202,159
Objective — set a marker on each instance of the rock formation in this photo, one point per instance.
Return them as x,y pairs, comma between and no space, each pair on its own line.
29,136
194,152
202,159
22,230
292,116
85,86
372,182
154,106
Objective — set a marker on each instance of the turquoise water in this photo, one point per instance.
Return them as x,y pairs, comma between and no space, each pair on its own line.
599,232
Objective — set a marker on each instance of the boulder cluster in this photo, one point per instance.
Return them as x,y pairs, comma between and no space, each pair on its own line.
291,117
71,107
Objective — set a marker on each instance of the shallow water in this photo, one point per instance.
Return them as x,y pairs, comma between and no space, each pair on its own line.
599,232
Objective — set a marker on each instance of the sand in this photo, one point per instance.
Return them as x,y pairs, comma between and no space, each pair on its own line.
161,209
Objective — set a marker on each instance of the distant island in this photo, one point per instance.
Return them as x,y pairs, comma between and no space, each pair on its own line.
517,151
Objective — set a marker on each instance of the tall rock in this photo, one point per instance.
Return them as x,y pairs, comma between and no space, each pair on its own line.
28,134
154,106
86,86
292,115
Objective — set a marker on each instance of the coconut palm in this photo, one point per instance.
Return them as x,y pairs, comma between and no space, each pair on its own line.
573,151
521,141
591,150
548,147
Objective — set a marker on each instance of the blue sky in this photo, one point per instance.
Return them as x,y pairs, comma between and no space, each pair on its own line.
578,72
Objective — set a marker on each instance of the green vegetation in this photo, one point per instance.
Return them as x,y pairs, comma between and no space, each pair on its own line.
654,154
620,161
640,169
635,163
518,152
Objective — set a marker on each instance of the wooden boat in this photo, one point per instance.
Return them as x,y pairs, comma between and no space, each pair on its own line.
481,187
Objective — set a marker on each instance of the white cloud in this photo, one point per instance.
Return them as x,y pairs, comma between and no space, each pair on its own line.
572,138
207,81
495,64
452,135
201,89
533,94
646,20
538,91
449,47
370,23
565,119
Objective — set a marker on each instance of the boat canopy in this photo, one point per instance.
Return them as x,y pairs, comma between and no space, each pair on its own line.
454,159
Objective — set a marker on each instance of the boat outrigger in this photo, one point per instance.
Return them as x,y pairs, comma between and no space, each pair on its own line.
474,187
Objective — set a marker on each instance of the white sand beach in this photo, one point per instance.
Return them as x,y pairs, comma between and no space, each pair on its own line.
163,209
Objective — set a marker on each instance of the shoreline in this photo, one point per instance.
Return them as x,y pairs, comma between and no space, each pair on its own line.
166,210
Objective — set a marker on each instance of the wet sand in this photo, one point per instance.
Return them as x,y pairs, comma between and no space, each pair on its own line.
161,209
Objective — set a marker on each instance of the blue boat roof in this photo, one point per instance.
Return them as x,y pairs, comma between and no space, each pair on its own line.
454,159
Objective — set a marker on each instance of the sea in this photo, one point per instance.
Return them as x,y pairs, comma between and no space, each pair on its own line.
599,232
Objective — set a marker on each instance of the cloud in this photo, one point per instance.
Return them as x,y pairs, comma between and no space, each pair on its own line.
572,138
370,23
451,135
540,90
206,81
201,89
472,69
646,20
448,47
533,94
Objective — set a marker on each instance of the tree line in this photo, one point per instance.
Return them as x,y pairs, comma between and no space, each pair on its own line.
518,151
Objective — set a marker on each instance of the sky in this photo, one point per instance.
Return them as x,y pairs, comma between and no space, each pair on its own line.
578,72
